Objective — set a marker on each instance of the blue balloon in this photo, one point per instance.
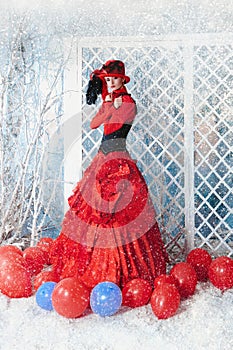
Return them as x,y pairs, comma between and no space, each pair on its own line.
44,295
105,299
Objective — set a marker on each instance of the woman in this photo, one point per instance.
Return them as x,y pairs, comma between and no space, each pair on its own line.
110,232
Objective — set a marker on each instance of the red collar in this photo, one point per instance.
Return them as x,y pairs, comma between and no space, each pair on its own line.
119,92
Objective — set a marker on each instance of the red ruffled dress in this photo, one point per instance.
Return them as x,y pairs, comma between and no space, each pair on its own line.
110,232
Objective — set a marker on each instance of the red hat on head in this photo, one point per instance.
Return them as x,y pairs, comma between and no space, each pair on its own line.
113,68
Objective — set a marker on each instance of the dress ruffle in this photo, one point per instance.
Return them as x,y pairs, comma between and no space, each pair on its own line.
110,232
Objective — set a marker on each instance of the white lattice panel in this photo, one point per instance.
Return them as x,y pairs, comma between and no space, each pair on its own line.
176,137
213,103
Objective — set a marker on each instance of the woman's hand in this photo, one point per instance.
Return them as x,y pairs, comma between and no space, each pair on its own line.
117,102
108,98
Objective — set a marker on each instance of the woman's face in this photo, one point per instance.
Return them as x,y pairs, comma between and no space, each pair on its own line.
114,83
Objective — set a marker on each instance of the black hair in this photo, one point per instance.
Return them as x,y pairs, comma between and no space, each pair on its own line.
94,89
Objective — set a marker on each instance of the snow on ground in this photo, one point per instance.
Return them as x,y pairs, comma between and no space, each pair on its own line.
203,321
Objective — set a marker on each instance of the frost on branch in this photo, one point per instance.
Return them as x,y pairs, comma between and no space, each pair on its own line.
31,91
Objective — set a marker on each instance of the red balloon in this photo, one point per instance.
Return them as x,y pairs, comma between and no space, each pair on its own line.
15,280
136,292
186,278
164,279
221,272
165,300
35,259
12,256
45,276
45,245
200,260
46,240
70,297
10,248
